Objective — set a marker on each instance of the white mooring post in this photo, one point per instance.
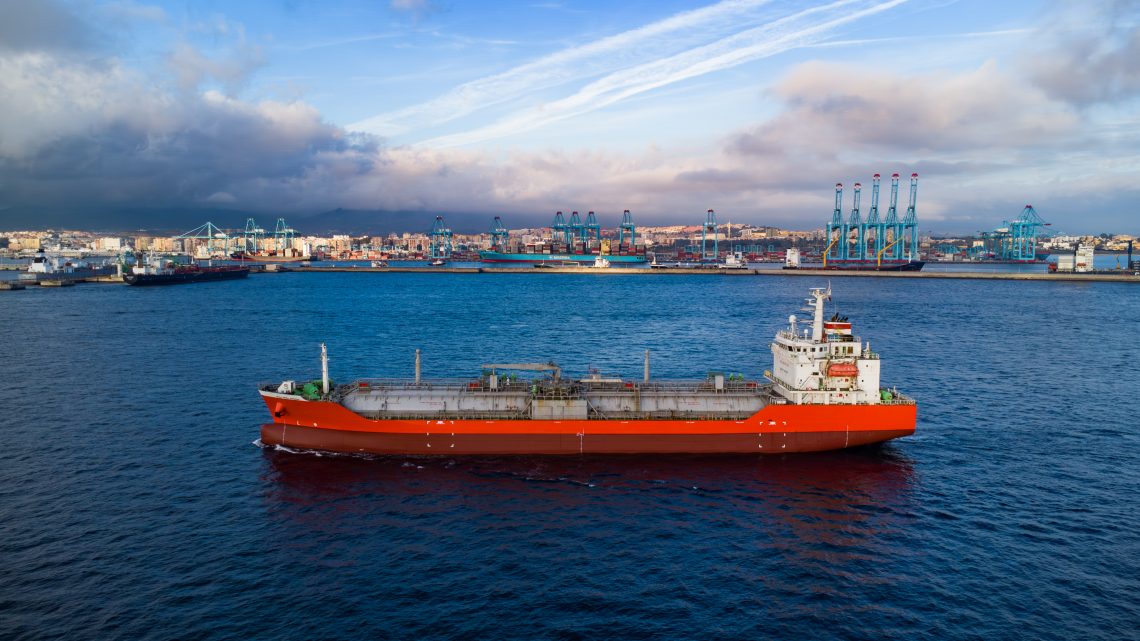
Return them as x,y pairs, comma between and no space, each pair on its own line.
324,369
417,367
646,366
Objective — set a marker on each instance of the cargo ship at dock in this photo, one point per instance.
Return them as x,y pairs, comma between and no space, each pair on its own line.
823,393
160,271
490,256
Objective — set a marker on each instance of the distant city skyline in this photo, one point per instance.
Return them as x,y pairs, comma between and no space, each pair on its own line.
754,108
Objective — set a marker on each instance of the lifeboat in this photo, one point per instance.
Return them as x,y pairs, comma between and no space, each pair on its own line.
842,369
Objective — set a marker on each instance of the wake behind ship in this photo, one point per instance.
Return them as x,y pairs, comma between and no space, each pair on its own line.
822,394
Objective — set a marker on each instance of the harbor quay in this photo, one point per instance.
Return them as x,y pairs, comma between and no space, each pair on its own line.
1123,276
1117,276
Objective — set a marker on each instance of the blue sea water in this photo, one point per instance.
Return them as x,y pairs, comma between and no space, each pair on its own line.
134,504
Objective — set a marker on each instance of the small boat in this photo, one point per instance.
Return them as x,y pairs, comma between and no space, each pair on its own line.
437,262
379,263
733,261
601,263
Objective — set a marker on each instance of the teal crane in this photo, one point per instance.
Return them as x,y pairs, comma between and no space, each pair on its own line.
908,228
216,239
627,226
874,226
710,226
856,224
440,239
498,235
891,225
593,226
836,228
558,227
575,230
1024,231
252,237
283,236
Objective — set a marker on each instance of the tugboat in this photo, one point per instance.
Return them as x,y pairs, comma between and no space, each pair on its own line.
823,393
161,271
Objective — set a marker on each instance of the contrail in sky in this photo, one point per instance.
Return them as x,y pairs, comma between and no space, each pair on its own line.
680,47
596,58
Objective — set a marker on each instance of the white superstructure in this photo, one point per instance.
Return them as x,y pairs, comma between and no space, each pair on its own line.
824,363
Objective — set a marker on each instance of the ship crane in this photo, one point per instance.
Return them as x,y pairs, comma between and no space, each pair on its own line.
526,367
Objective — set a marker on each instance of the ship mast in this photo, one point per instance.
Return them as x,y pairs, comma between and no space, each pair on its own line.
324,369
819,295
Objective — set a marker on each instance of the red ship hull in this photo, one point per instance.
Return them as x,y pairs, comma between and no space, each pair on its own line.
775,429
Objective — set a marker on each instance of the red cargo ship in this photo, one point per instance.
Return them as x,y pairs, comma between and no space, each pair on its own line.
822,394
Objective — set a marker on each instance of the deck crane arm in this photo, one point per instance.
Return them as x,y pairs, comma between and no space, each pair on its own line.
530,367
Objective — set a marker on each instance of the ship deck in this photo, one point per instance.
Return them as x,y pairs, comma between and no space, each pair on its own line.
519,399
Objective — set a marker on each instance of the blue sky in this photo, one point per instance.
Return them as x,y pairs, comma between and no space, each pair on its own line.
754,108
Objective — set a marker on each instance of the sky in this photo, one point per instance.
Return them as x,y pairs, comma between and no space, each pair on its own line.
754,108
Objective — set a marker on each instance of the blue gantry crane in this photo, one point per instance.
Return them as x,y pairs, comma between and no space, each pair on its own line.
891,225
627,226
440,239
710,226
558,227
499,235
283,236
593,226
1023,232
217,240
874,226
908,228
856,224
575,230
252,237
835,229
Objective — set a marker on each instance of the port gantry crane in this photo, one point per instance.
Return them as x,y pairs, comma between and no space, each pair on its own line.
908,228
499,235
575,230
283,236
857,225
252,237
627,225
836,228
558,228
873,225
1023,234
212,234
1016,240
440,239
891,224
710,226
593,226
